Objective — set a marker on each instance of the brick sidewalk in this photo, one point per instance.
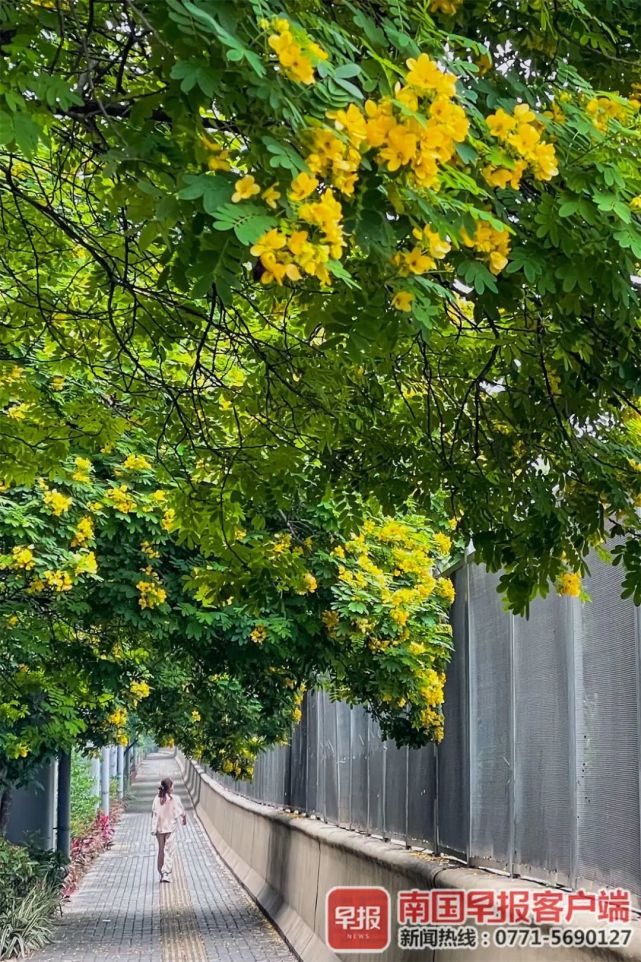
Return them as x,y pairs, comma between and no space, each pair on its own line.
122,913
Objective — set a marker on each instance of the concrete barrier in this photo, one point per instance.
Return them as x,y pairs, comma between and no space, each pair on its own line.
288,863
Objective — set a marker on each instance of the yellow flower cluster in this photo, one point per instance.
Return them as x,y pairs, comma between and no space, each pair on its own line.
57,383
445,589
140,689
85,563
152,594
330,619
522,132
309,583
429,248
569,583
22,557
443,543
82,474
118,717
83,533
490,241
297,55
121,499
219,158
604,109
258,634
54,499
196,716
58,580
18,412
333,158
147,548
432,690
136,462
168,519
286,255
448,7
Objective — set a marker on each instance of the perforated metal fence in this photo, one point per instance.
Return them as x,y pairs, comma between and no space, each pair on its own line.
539,771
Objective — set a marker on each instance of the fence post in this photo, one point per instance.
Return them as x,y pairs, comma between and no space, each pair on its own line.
367,780
95,777
637,632
120,770
407,796
468,685
575,669
513,801
63,839
384,794
351,773
104,779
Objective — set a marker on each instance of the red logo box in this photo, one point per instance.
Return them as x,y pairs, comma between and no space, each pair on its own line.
357,919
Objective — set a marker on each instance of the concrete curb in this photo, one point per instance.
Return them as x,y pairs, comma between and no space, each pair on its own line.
289,862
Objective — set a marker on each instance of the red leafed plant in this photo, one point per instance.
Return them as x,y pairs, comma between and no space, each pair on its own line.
85,849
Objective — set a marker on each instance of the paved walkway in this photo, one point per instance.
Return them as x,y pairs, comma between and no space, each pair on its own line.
121,912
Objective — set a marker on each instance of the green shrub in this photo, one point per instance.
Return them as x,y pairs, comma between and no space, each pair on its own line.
84,801
18,872
26,921
30,884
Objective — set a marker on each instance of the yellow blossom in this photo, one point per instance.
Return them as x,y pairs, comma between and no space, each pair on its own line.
445,589
84,532
22,557
121,499
442,542
58,580
569,583
54,499
258,634
310,582
140,689
86,564
136,462
402,300
151,595
83,469
244,188
426,76
302,186
271,196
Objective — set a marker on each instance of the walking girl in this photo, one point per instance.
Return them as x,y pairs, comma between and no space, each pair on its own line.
165,813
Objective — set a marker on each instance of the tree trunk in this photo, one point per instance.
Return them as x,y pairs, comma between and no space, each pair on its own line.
5,808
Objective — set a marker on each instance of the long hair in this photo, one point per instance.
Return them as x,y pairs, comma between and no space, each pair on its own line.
165,790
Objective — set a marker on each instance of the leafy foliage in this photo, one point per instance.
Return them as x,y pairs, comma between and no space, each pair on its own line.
305,265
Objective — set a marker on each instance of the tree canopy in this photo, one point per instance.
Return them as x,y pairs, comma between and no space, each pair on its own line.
322,265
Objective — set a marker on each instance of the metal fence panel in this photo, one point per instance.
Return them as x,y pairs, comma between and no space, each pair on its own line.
608,796
360,764
329,761
377,765
298,765
396,792
342,713
452,757
313,761
490,721
545,816
421,783
539,771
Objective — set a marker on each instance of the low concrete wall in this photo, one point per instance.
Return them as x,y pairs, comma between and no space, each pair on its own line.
288,863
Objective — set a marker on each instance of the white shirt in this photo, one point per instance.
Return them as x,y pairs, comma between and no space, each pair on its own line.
164,817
